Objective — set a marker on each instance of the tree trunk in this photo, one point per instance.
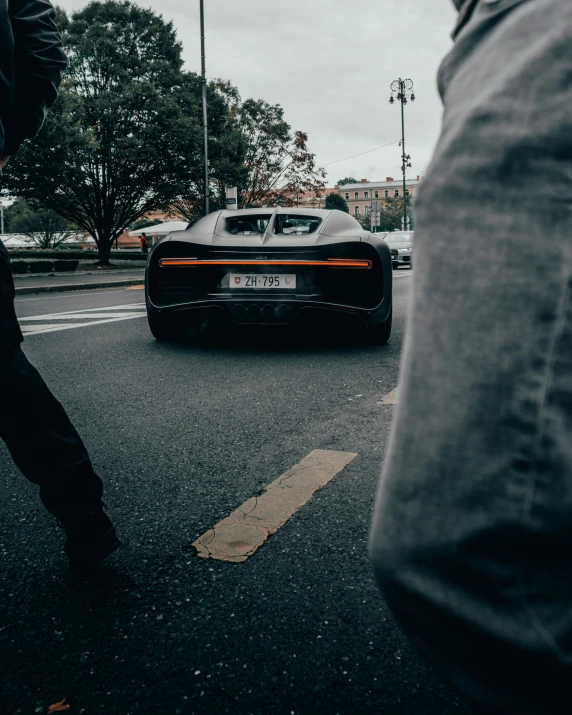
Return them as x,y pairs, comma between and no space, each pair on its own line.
103,258
104,250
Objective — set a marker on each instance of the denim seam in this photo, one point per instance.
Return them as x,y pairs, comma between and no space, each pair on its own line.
557,337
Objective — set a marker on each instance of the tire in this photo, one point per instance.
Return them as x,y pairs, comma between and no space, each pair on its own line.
165,330
379,334
395,266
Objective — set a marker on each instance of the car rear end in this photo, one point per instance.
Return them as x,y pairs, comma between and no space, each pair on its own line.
265,286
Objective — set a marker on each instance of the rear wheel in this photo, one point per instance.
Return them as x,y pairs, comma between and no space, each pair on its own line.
379,334
167,330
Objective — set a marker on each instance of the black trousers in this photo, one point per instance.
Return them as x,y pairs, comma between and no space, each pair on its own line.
35,427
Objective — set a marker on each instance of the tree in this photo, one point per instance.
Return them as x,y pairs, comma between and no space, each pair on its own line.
347,180
278,164
226,149
116,143
335,201
144,223
251,147
391,215
43,227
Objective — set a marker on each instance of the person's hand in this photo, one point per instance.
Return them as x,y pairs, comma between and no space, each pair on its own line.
4,160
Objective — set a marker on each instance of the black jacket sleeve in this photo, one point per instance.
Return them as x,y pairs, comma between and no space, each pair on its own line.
39,62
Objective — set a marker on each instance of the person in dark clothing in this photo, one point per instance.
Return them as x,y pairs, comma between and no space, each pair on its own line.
39,435
144,244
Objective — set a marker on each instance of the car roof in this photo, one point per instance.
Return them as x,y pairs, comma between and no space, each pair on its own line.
229,213
333,220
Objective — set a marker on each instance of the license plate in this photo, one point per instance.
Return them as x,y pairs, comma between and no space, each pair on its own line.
262,280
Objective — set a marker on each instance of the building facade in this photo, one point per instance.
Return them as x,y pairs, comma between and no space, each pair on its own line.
361,196
312,199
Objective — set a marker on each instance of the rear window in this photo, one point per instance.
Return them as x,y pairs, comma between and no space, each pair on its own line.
250,225
399,237
295,225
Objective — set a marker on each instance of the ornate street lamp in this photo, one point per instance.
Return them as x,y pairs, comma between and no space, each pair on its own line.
402,90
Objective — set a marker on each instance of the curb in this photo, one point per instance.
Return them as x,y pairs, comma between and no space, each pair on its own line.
25,276
78,286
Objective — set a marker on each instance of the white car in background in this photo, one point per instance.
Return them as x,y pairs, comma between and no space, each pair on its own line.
400,244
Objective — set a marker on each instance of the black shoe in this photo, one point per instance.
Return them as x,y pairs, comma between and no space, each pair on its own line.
91,537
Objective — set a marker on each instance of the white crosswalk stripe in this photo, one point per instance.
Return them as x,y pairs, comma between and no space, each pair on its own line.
46,323
67,316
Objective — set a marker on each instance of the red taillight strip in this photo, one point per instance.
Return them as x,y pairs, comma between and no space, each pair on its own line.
330,263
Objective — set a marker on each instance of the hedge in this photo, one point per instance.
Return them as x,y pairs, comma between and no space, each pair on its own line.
79,255
65,265
21,267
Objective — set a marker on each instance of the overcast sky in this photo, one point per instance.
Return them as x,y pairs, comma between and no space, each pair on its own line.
329,63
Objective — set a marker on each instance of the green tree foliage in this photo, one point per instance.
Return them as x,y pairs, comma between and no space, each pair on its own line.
391,215
347,180
144,223
126,138
335,201
252,147
278,164
43,227
226,149
116,144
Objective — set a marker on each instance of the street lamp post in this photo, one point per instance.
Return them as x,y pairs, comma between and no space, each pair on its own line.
402,90
205,117
373,213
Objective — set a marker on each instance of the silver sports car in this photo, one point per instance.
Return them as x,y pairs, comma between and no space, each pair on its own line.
269,266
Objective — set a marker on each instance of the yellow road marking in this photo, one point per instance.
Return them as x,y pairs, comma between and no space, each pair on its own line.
136,287
391,398
238,536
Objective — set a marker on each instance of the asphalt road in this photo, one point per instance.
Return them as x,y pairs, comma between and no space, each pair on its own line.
182,435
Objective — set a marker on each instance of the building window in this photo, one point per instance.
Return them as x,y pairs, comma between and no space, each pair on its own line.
366,210
366,194
386,192
396,193
356,195
376,194
347,196
356,210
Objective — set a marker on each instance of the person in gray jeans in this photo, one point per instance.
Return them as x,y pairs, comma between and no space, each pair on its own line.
472,535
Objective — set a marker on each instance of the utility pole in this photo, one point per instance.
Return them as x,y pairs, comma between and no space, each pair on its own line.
205,116
371,211
375,215
402,90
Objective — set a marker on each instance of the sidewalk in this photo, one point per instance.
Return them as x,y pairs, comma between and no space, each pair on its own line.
55,282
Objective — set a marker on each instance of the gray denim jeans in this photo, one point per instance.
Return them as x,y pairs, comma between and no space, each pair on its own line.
472,534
